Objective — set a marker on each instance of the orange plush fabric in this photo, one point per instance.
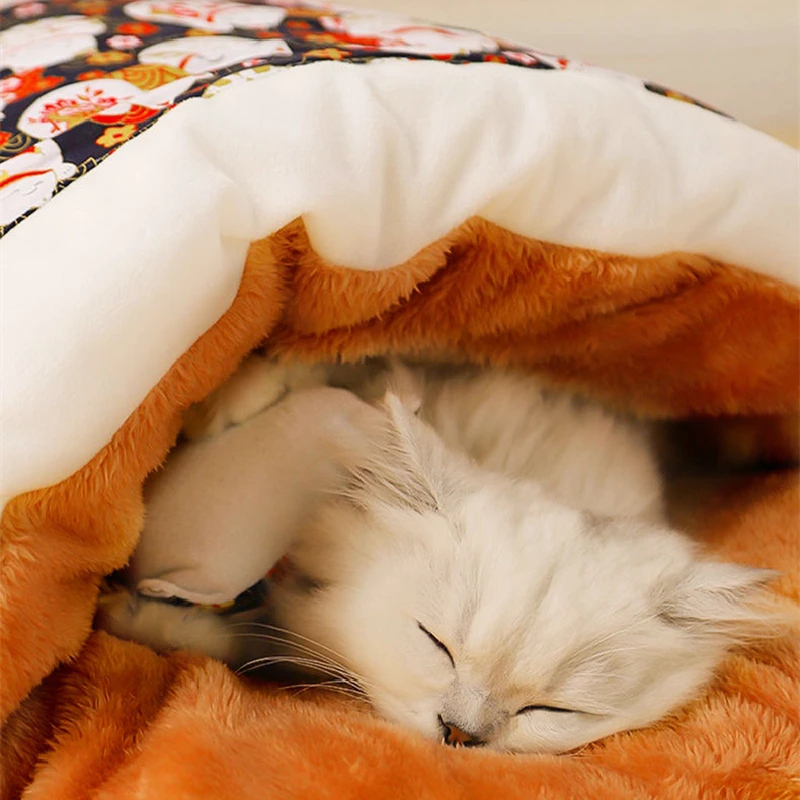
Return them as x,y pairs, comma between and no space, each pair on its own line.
669,336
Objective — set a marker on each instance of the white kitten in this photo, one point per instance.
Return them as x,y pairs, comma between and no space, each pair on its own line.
474,604
471,606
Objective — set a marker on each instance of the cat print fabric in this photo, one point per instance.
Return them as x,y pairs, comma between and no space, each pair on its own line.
80,78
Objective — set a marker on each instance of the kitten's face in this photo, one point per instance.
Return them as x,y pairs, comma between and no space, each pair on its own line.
525,625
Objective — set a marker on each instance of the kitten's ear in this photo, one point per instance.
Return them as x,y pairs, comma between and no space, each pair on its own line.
721,600
407,468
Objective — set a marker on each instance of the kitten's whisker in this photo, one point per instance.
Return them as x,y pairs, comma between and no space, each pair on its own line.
306,663
333,666
324,686
280,640
290,636
312,642
289,643
335,683
287,659
283,640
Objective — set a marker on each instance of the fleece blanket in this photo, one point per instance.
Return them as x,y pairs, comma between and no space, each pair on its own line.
182,182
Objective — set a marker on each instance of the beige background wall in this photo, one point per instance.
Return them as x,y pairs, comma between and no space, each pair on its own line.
740,55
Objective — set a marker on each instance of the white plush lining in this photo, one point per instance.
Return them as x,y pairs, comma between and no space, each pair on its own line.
106,285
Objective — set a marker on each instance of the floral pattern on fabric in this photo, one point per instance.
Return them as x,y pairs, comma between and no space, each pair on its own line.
80,78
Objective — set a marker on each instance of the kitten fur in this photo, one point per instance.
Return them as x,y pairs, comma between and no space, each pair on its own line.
494,570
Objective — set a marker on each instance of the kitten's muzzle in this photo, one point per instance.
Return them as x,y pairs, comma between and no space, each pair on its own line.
458,737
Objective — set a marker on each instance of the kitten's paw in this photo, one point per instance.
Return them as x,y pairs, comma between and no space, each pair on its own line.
258,384
116,611
164,627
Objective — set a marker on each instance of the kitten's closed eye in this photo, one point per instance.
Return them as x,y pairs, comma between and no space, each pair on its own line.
437,642
556,709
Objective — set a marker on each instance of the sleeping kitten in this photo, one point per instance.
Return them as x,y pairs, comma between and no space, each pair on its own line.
490,572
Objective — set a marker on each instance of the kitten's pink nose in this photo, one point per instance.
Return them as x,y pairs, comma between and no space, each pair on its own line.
455,736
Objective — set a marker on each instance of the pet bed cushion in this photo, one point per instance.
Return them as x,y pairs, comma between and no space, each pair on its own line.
183,181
